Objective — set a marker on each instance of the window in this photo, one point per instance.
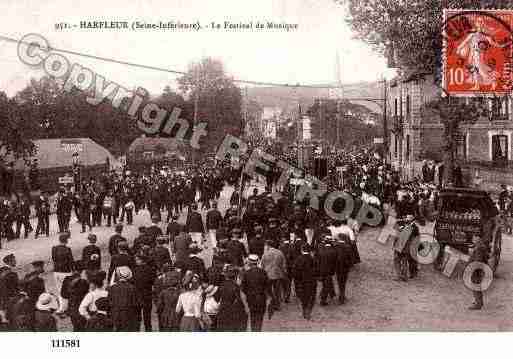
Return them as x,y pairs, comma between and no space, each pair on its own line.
407,155
499,108
395,146
500,148
408,105
462,147
395,107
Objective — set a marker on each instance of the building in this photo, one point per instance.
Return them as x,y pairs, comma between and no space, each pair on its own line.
56,157
416,134
146,151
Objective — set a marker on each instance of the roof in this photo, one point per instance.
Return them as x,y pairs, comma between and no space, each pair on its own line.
58,152
144,144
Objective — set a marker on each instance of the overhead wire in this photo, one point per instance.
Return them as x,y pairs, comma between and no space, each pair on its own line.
162,69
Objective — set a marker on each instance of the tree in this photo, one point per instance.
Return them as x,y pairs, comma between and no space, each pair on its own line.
16,133
217,99
56,113
453,111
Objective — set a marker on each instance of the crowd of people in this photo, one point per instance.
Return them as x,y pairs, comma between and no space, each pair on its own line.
264,249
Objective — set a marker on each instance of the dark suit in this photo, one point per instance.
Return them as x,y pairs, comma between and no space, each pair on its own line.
232,316
343,265
144,278
8,286
327,260
160,255
305,280
62,259
214,219
194,223
181,250
236,252
87,252
124,306
256,286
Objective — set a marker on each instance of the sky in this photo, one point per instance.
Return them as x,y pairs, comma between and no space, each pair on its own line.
306,55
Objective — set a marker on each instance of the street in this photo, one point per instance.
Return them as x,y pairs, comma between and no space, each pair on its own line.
375,301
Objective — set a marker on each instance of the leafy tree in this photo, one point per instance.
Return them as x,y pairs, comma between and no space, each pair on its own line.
217,98
15,133
56,113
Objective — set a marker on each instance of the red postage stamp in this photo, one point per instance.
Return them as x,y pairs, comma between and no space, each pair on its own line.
477,52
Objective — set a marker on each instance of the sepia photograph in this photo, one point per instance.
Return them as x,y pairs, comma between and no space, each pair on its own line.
255,166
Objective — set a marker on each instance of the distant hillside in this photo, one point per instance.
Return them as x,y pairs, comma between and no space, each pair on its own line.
287,97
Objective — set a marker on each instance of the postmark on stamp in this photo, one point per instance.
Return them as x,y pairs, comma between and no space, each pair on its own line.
477,52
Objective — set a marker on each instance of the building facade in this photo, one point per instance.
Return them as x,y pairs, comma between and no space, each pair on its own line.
484,147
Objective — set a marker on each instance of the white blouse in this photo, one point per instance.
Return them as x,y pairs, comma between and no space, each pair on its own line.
190,302
87,305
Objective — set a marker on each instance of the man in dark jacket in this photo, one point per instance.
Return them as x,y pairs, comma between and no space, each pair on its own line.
113,241
180,249
62,267
327,260
194,263
91,254
123,302
344,263
42,207
33,284
256,286
74,289
121,259
236,251
174,228
194,224
214,220
144,278
9,281
160,254
153,231
22,218
84,203
305,280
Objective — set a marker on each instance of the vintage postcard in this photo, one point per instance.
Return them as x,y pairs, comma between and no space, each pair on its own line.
277,166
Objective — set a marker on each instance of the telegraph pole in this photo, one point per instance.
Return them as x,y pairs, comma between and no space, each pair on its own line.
195,116
385,123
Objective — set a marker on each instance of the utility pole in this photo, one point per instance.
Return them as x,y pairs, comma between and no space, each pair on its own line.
385,123
195,117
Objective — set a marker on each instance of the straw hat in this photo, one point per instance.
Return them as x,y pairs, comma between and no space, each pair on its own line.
46,301
124,273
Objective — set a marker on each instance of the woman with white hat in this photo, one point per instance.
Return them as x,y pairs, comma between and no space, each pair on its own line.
44,320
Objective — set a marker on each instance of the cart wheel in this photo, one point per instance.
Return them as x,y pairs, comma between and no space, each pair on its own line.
495,255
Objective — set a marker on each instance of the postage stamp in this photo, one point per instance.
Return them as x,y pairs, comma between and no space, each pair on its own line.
477,52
